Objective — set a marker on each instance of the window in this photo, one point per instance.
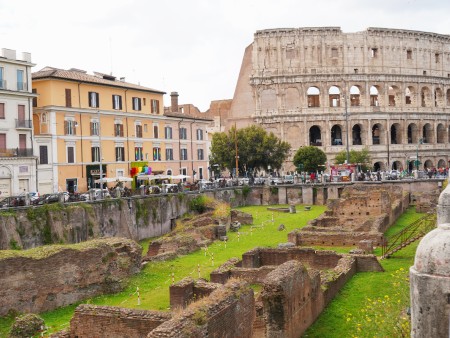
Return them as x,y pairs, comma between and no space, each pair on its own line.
424,72
169,154
120,153
2,110
199,134
437,58
22,141
200,154
144,101
183,133
43,155
70,127
68,95
139,131
355,70
34,91
118,129
155,132
93,100
70,154
156,154
409,54
374,52
2,142
95,128
155,106
20,80
137,103
138,154
334,52
95,154
183,154
117,102
168,133
2,82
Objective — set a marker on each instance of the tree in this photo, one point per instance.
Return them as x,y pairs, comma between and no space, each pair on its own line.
355,157
310,158
257,149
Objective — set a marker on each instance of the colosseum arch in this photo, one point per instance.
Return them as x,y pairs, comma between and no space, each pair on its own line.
413,133
396,133
315,136
355,96
441,163
377,130
441,133
397,165
334,96
448,97
293,136
313,94
357,135
378,166
425,97
410,96
268,99
292,98
439,97
374,96
427,133
273,130
394,94
428,164
336,135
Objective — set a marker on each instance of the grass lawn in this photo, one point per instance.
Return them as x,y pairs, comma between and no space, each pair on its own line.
155,278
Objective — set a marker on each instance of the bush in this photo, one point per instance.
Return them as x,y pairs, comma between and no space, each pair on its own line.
26,326
199,204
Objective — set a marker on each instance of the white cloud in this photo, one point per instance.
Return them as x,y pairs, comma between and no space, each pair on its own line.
194,47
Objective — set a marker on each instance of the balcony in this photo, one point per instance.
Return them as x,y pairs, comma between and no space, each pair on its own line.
21,86
23,124
16,152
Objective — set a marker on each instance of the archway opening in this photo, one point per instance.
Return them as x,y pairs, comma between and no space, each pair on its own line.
376,134
356,135
413,136
336,136
374,96
427,133
396,136
334,95
315,138
355,96
313,97
440,133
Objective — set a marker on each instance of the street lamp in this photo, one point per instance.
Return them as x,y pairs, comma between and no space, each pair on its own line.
417,153
346,122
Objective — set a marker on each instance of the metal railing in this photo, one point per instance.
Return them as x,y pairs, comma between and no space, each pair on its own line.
408,235
16,152
23,124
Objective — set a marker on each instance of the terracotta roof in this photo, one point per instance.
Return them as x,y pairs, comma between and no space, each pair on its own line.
82,76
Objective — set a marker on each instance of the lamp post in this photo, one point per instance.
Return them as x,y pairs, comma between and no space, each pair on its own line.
346,122
417,153
100,154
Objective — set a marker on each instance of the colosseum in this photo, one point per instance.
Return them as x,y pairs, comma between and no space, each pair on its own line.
384,89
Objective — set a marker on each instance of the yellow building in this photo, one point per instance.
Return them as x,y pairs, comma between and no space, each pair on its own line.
82,121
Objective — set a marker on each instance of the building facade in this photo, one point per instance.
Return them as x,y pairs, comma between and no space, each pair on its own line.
384,89
17,163
91,125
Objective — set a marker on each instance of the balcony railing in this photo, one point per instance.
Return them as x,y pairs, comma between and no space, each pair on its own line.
23,124
21,86
16,152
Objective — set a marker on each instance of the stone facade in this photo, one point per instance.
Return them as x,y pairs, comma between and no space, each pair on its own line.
45,278
385,89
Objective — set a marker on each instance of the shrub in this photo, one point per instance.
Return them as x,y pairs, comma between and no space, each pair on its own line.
199,204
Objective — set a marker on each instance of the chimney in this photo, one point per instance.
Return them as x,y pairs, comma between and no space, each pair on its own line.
174,102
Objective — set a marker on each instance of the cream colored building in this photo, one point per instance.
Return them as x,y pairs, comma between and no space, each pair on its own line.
17,163
385,89
82,121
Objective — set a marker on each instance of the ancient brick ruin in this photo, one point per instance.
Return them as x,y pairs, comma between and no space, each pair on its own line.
364,212
297,284
49,277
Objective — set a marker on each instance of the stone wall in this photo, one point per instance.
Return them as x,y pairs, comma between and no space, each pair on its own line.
45,278
189,290
227,312
114,322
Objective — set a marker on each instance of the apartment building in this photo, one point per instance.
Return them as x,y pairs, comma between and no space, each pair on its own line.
90,125
17,163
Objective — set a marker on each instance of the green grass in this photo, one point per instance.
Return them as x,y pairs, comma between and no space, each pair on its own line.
155,278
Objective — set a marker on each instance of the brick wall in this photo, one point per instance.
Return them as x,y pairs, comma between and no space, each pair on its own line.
114,322
45,278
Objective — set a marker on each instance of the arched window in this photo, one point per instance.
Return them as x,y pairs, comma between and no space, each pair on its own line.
334,95
336,135
396,134
313,97
374,96
427,134
315,138
440,133
376,134
355,96
394,95
425,97
413,133
356,135
428,164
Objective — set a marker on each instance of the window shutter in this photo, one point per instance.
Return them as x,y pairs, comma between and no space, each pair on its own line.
2,110
70,157
43,155
74,128
113,102
120,102
157,106
97,100
90,98
2,141
69,97
66,127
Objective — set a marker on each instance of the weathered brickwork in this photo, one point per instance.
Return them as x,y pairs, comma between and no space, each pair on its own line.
364,212
45,278
114,322
394,83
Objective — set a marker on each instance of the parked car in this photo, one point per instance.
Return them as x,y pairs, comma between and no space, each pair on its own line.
288,179
34,195
97,194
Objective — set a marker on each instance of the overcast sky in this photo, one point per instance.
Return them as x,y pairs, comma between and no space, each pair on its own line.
194,47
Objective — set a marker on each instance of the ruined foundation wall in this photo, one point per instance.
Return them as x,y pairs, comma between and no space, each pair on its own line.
114,322
45,278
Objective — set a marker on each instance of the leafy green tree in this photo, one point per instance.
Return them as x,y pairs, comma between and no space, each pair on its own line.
257,149
310,158
355,156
